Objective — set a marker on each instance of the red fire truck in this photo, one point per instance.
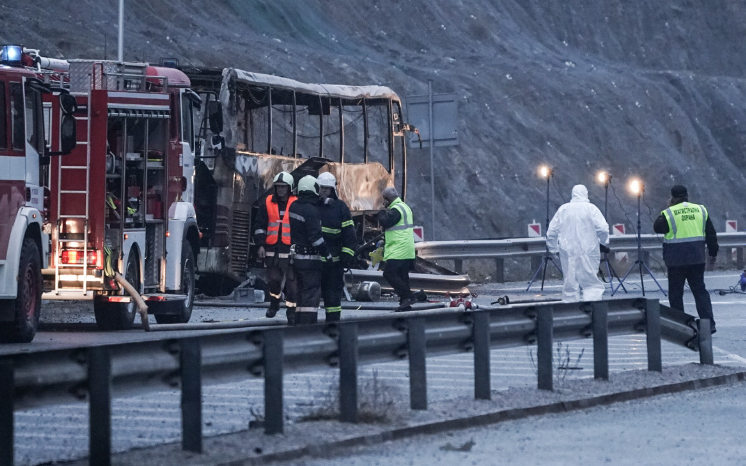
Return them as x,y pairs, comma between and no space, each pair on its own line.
121,203
24,156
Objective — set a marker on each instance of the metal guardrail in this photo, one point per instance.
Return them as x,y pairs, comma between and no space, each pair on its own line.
502,248
98,373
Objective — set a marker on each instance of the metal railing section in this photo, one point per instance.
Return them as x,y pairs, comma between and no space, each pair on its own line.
502,248
99,373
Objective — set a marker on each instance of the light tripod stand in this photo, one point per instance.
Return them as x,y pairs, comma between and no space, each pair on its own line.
638,188
605,179
545,172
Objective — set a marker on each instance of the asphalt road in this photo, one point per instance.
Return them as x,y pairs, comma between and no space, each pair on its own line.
704,427
60,432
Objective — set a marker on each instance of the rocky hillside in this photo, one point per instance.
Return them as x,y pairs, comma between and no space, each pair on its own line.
647,87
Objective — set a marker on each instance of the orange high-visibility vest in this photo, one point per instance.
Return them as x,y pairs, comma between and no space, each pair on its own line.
273,225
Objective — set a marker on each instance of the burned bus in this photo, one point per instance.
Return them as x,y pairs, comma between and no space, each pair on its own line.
256,125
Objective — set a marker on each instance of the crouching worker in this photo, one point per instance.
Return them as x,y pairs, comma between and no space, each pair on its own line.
306,250
339,236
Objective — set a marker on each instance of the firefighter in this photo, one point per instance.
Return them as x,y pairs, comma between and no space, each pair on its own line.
272,234
398,225
339,235
307,249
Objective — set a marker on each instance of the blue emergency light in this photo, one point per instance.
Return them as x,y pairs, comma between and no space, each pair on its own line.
11,55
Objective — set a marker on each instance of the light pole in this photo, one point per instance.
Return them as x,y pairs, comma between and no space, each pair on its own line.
120,54
545,172
604,178
637,187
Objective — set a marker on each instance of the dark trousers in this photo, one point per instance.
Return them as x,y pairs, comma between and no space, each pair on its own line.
277,269
332,285
308,280
396,272
695,275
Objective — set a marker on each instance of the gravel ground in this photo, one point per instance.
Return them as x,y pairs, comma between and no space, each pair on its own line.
324,437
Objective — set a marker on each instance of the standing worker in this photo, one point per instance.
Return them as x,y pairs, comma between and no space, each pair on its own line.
339,236
307,249
272,234
576,231
687,228
398,254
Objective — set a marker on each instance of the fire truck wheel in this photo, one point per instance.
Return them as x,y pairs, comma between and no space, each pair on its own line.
187,288
27,305
119,316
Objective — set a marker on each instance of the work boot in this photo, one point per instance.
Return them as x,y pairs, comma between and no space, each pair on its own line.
333,316
421,296
406,304
274,306
290,313
306,317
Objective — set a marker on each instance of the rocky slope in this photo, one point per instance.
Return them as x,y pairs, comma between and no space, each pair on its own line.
645,87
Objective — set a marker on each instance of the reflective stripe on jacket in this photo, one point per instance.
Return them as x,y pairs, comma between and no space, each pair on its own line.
274,221
400,237
684,244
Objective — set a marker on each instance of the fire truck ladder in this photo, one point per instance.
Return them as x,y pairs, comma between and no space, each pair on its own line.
74,171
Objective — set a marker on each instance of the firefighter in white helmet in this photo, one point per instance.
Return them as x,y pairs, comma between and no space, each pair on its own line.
339,235
272,235
307,250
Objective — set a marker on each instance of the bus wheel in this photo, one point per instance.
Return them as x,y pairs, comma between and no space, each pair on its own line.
27,305
187,288
119,316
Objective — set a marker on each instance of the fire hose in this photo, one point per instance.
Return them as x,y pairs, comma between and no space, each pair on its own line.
142,308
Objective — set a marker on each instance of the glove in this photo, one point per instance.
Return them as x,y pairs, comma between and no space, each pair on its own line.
347,260
604,248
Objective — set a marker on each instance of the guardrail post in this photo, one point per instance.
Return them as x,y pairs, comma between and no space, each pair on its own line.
348,354
544,336
653,333
481,336
600,316
705,343
458,266
6,412
500,270
191,395
739,258
273,356
99,391
417,369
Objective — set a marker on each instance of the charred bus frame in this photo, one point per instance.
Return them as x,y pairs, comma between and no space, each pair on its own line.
256,125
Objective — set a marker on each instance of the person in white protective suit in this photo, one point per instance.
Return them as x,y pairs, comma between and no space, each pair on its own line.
575,232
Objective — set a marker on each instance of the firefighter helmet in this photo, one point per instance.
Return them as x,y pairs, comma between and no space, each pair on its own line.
327,179
284,177
308,183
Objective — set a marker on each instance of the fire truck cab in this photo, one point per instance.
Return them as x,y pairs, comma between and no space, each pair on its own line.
24,155
121,203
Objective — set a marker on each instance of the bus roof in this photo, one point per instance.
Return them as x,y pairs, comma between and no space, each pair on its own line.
328,90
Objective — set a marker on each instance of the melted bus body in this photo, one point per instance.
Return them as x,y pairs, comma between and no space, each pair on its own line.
256,125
